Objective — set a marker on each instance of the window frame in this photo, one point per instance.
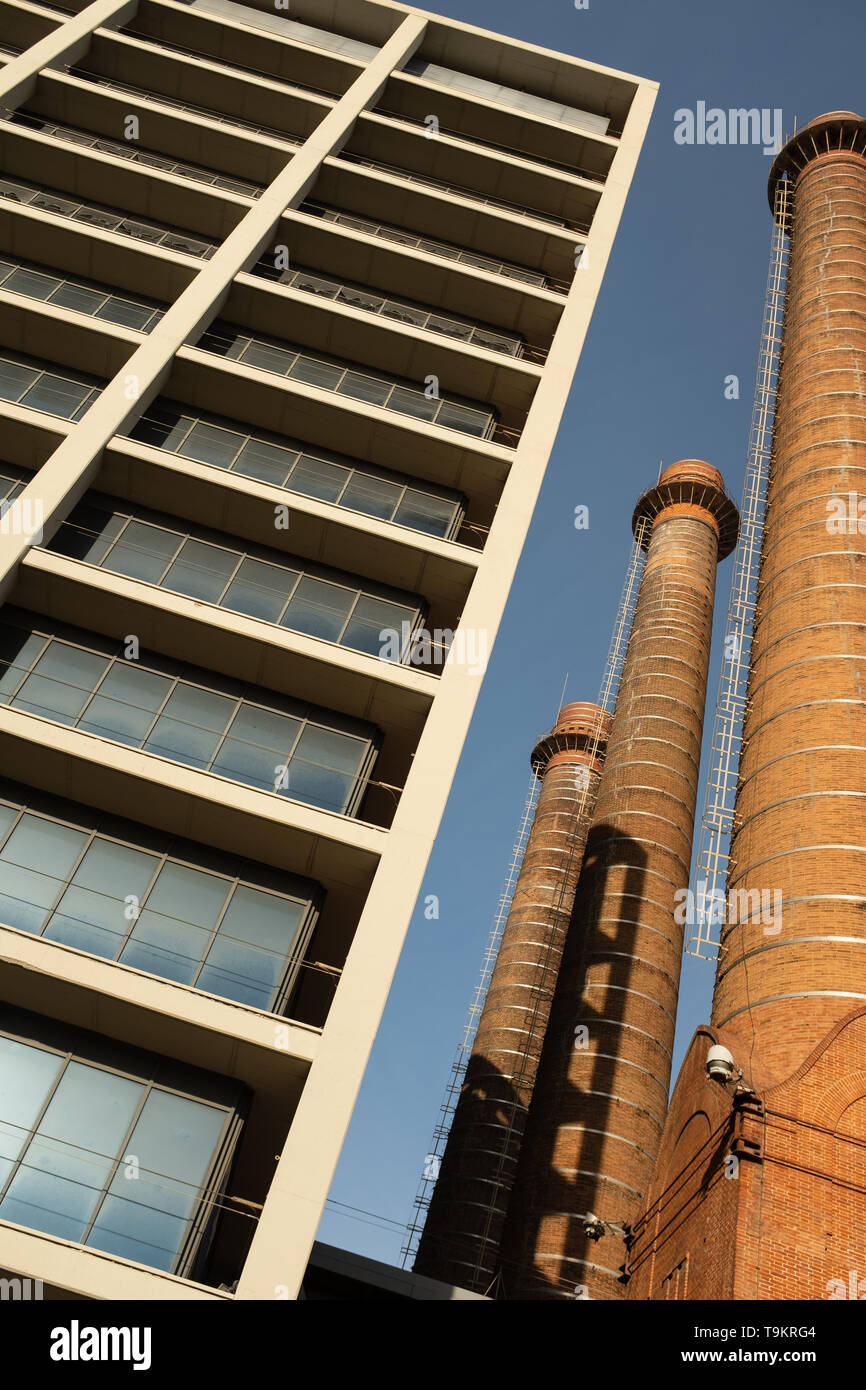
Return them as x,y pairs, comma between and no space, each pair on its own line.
154,1072
306,893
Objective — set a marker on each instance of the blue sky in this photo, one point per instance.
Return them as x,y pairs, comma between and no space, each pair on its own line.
679,311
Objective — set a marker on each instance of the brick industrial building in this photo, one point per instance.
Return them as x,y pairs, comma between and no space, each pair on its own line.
290,306
751,1182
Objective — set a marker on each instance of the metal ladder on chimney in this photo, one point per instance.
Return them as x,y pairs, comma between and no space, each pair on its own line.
711,865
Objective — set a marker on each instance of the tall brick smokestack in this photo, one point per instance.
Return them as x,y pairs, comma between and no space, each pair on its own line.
460,1242
800,818
601,1094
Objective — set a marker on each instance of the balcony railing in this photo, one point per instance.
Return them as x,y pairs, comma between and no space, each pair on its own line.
109,219
41,386
186,715
217,117
194,172
82,296
359,297
298,467
471,138
301,468
346,379
447,250
259,582
232,67
461,191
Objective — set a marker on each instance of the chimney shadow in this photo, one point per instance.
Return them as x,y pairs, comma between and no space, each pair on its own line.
541,1188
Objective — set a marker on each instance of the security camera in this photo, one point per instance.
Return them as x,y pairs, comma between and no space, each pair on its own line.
720,1064
593,1226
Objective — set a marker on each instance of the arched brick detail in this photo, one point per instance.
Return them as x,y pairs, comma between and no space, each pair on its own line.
839,1098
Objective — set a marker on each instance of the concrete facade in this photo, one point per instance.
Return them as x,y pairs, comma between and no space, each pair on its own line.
179,154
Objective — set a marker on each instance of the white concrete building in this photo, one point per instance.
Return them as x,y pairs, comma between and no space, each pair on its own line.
290,312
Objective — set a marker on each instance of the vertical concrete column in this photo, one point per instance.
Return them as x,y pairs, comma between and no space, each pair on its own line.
460,1242
601,1095
795,960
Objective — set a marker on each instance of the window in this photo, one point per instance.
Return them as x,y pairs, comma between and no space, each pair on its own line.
329,375
325,604
342,483
165,911
69,1126
25,381
75,682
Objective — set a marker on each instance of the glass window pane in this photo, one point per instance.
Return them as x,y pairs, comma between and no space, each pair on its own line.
358,300
95,217
88,534
65,1165
190,726
143,551
324,768
96,911
423,512
161,427
315,477
270,359
31,283
312,285
495,342
56,395
188,895
36,861
260,589
17,192
317,786
374,496
201,571
26,1076
451,327
188,245
365,388
249,952
18,652
126,312
460,417
257,747
316,373
77,297
15,379
140,230
413,403
332,749
268,462
319,608
61,682
126,703
174,1141
376,625
404,314
209,444
175,926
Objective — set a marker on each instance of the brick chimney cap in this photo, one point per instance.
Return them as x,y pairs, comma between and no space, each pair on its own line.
836,132
693,470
